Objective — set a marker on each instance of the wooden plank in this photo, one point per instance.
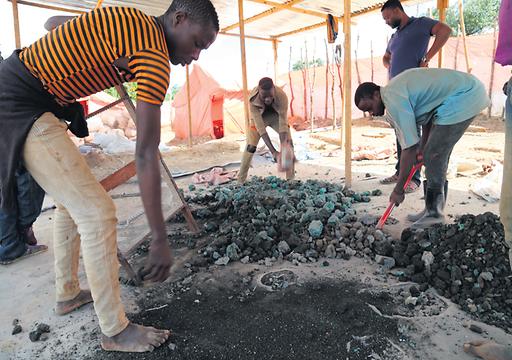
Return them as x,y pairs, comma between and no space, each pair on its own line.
119,177
16,21
289,7
247,36
348,93
244,64
50,7
273,10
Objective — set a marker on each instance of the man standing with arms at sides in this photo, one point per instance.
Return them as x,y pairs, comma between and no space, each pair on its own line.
408,49
39,86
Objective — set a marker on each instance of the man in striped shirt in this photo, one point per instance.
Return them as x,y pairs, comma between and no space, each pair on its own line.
39,86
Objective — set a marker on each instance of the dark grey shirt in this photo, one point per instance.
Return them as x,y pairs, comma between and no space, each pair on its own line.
409,44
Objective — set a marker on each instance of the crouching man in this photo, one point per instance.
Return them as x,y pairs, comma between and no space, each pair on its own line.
268,107
444,102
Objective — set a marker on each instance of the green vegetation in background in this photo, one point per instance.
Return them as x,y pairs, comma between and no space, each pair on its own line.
131,88
479,16
301,64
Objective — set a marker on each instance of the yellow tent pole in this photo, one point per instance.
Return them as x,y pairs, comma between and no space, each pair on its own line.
16,19
463,30
189,109
244,63
274,47
98,4
347,83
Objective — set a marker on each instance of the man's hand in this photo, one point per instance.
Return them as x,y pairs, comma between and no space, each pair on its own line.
159,262
423,64
397,197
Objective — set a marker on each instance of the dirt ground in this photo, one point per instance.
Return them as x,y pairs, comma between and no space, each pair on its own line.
226,313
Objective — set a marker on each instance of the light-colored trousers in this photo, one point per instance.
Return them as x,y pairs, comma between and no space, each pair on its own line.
85,216
253,137
506,187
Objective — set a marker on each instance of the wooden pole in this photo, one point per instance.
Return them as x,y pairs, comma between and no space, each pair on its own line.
493,63
189,105
16,20
371,59
304,85
357,61
244,63
337,56
456,57
348,93
463,31
441,6
333,81
274,48
292,94
326,79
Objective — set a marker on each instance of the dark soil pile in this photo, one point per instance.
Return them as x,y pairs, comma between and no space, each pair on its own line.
466,261
320,320
270,219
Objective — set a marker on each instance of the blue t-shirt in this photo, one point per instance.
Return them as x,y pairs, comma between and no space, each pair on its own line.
443,96
409,44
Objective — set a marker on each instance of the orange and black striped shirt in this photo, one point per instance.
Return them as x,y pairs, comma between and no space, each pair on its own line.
76,59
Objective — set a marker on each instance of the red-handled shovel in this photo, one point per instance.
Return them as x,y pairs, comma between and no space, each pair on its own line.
391,205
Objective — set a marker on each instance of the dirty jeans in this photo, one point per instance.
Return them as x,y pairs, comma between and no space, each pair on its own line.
29,200
506,194
253,137
85,217
438,149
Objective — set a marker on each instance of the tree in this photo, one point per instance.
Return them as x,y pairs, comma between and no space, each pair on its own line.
301,64
131,89
479,15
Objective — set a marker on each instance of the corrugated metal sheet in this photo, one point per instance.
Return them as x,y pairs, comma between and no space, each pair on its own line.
276,23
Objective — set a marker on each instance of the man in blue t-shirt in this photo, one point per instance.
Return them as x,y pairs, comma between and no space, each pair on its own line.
444,102
408,49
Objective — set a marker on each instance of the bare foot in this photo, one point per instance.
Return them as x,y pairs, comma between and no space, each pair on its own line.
488,350
65,307
135,338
